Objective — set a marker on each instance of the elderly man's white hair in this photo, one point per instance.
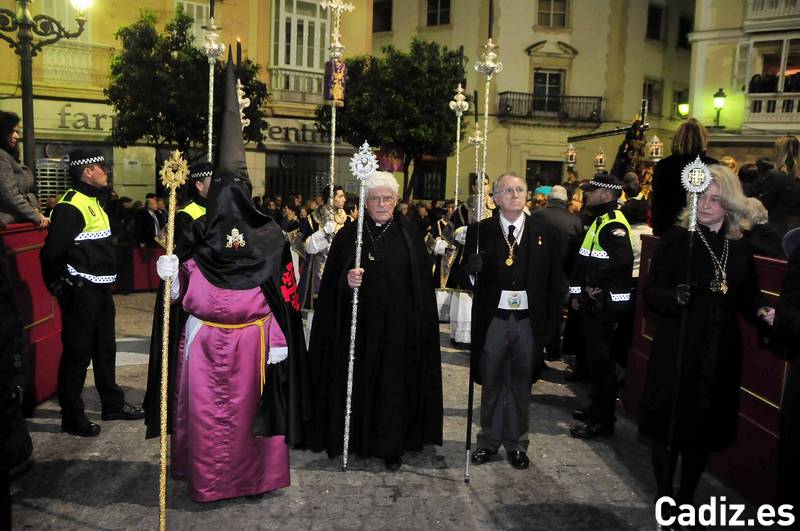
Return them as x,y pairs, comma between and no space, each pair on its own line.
382,179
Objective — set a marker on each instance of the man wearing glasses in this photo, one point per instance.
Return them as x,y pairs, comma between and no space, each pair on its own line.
397,378
517,275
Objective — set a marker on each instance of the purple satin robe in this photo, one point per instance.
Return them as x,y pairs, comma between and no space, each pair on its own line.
218,395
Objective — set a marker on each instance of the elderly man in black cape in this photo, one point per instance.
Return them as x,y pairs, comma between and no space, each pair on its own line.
397,390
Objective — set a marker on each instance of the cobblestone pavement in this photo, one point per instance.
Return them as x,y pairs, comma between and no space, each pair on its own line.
111,482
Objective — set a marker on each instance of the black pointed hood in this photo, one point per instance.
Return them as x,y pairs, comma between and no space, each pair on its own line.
231,141
240,247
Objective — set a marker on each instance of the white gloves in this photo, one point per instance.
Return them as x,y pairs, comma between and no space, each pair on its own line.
461,234
330,228
439,247
167,266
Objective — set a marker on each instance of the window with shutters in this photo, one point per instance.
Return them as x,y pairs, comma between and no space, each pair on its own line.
201,14
438,12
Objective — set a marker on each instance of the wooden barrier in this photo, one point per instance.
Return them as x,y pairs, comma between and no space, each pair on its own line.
38,309
750,465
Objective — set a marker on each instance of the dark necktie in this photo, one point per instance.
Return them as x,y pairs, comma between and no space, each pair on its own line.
511,239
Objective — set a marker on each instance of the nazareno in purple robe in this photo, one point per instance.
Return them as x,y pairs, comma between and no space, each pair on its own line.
218,394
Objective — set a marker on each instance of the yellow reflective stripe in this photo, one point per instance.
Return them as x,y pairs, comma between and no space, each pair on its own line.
194,210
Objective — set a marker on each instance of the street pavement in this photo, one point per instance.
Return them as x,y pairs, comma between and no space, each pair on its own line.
111,481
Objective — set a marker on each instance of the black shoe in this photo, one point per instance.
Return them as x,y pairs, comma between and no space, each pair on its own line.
393,463
590,431
581,415
126,412
84,428
482,455
518,460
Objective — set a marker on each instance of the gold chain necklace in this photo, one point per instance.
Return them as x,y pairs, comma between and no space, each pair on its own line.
720,282
510,259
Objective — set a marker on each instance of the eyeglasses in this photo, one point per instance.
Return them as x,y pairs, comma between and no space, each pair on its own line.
378,199
510,191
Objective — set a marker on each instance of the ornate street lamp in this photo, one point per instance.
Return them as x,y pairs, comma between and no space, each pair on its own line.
572,156
655,148
719,103
51,31
600,160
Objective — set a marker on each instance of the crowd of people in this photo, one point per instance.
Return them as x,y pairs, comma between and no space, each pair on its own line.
552,267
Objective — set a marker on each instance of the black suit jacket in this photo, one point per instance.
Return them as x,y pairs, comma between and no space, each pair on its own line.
545,278
145,229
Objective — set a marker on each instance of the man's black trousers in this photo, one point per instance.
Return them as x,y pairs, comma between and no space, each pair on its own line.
87,315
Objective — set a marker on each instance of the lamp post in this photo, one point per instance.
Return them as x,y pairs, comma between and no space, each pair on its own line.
683,110
719,103
26,27
600,160
572,156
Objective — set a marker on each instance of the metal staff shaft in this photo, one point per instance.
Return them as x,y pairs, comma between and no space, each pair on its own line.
458,156
210,133
173,175
353,328
489,68
332,161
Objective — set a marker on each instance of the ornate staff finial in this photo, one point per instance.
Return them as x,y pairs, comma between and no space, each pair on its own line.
489,66
695,178
459,105
174,171
363,163
337,7
212,49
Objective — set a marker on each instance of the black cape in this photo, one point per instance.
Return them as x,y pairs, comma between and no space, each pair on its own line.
708,403
397,391
185,233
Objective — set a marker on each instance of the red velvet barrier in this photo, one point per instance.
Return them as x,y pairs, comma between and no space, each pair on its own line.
39,310
750,465
145,277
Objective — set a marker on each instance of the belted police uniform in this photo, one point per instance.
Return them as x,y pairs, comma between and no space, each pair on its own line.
604,262
79,267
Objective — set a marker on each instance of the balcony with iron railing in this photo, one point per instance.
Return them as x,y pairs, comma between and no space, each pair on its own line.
765,15
550,108
296,86
73,63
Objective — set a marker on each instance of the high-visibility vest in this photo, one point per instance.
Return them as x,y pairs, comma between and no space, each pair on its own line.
194,210
591,249
92,257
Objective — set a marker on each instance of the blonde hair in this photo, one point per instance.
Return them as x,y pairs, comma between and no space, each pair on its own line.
690,138
732,200
788,151
730,162
756,214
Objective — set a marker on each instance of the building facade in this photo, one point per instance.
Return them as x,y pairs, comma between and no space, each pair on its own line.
289,39
570,67
751,50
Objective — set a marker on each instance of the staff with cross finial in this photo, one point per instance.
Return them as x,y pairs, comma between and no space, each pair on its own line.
335,80
212,49
173,173
458,105
362,165
695,178
489,67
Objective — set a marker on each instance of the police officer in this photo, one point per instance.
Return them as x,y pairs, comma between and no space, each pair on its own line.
600,286
190,220
79,267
